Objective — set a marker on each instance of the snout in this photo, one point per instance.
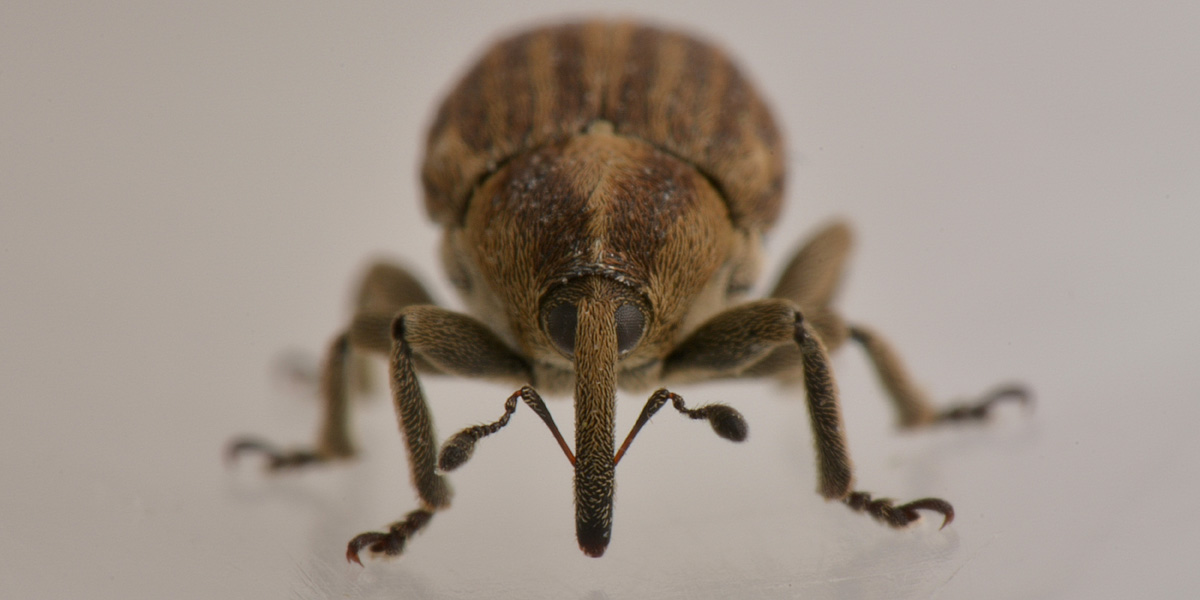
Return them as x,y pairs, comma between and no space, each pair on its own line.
593,538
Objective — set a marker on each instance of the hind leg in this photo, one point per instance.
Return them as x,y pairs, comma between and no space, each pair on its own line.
384,291
913,408
811,280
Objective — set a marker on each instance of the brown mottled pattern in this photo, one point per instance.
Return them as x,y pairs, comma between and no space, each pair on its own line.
598,203
674,91
521,240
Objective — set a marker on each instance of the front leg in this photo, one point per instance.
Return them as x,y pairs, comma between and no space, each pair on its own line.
734,342
451,343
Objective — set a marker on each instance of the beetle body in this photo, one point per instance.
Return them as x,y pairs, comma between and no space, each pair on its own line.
604,188
596,160
607,149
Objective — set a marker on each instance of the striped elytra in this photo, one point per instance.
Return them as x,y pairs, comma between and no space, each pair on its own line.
679,93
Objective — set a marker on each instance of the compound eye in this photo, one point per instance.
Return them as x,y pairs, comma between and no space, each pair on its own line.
630,323
560,326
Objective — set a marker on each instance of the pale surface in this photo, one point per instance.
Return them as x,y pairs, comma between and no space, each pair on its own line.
186,194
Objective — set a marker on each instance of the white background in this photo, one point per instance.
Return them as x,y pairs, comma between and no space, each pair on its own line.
188,193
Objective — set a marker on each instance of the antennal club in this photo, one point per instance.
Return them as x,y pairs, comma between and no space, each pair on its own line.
460,446
725,420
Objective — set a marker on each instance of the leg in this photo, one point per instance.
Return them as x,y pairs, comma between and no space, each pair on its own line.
811,281
732,343
333,440
384,291
912,406
452,343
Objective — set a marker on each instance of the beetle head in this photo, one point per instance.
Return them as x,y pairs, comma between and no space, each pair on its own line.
598,204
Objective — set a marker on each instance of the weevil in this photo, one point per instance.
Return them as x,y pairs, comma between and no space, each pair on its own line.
604,189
